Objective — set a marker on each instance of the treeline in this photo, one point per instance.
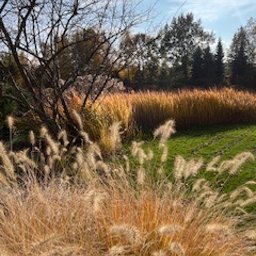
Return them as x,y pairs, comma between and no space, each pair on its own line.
182,55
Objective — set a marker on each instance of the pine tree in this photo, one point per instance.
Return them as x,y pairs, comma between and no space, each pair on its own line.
239,59
208,67
219,64
197,66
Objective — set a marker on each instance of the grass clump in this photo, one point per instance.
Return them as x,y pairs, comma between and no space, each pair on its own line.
71,202
145,111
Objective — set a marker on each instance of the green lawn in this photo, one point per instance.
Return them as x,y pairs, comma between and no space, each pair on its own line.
207,143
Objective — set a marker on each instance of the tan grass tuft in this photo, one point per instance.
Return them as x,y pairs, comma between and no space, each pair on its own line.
132,234
10,122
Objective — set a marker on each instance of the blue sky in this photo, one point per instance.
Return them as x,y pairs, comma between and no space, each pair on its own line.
223,17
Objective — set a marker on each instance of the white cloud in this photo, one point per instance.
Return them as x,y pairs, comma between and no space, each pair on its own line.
211,10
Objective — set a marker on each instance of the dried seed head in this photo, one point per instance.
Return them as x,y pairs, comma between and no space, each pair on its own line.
64,137
217,228
43,131
212,165
78,119
95,200
52,144
251,234
115,135
10,122
165,131
197,185
165,152
132,234
85,137
32,138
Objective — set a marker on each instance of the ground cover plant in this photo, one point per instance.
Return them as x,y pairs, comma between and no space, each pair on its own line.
60,202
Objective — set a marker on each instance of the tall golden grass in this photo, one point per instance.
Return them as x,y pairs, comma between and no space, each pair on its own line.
61,202
145,111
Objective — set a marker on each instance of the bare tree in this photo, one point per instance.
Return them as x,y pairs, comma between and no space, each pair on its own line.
43,31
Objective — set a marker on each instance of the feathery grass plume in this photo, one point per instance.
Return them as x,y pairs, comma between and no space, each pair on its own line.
77,119
217,228
46,170
32,138
239,191
185,169
103,168
165,131
142,156
48,151
164,155
192,167
23,158
248,202
211,166
176,248
179,167
86,137
211,200
198,184
138,152
63,137
240,159
251,234
131,233
115,135
10,124
250,182
95,200
204,194
168,230
93,153
234,165
43,131
7,164
54,146
135,147
110,139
